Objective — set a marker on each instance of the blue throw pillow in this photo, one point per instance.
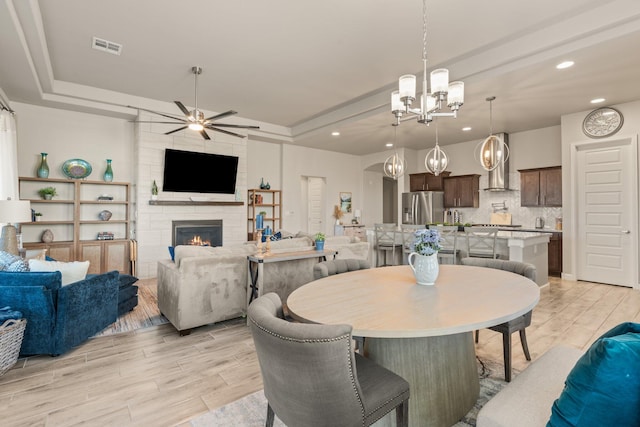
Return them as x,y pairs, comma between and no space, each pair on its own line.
603,388
277,236
172,252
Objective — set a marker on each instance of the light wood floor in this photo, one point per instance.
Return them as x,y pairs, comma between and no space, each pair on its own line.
154,377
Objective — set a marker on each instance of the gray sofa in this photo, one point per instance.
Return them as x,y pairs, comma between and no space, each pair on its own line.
209,284
527,400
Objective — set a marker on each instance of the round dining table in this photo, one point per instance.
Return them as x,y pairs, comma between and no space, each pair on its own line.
422,333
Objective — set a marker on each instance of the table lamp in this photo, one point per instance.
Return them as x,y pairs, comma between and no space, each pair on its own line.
357,215
12,212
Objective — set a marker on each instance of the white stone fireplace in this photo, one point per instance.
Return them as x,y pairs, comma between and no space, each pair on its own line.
154,219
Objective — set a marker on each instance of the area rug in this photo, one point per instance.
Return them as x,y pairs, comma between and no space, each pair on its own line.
144,315
251,410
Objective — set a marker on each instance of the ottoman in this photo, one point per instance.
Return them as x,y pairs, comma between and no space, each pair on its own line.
127,294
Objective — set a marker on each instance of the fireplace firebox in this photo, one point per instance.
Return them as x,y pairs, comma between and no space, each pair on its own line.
206,232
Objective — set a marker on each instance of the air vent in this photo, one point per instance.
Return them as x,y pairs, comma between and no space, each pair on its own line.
106,46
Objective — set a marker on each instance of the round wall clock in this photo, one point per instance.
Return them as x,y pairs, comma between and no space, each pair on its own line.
602,122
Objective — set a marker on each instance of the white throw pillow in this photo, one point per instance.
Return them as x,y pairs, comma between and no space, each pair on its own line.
71,271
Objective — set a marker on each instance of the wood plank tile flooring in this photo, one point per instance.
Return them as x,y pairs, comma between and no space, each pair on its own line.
154,377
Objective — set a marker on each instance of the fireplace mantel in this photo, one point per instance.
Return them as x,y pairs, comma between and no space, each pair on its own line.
191,202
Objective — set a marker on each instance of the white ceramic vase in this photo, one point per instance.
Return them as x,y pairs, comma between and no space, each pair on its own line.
425,268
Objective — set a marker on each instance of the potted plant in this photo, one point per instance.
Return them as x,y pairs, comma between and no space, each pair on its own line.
47,193
37,216
320,237
154,190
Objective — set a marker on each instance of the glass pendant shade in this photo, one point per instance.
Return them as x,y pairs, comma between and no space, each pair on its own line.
407,87
395,166
456,94
436,160
396,103
439,80
493,151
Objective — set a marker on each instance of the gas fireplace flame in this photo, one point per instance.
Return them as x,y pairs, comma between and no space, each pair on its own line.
197,241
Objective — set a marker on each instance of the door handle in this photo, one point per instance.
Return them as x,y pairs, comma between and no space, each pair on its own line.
625,231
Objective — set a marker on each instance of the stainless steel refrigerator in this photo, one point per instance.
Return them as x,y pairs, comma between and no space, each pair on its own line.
422,207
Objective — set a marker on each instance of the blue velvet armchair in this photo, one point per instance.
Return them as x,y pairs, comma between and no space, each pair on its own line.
59,317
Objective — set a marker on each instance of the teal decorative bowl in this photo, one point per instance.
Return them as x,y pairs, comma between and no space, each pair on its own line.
76,168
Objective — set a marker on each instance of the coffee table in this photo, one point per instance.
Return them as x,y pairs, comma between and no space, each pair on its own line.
423,333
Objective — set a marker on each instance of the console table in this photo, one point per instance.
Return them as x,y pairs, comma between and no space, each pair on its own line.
257,262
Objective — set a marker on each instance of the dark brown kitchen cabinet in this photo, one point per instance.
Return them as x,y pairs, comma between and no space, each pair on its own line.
541,187
461,191
555,254
427,181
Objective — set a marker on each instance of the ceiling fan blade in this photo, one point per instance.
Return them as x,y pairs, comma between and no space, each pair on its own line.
235,126
224,131
183,108
175,130
204,134
160,114
221,115
162,123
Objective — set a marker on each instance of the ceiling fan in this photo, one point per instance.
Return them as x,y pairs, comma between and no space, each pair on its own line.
195,119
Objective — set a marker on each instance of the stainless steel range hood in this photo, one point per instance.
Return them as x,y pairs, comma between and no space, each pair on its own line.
499,177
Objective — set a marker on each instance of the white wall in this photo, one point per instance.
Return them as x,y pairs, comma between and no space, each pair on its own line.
571,134
68,135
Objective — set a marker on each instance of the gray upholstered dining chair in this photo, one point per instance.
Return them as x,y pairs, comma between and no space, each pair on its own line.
519,323
337,266
312,377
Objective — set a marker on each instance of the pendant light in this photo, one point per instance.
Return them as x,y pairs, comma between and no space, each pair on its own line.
395,166
492,151
436,161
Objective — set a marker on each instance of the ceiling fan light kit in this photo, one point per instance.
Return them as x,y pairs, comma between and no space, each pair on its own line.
194,120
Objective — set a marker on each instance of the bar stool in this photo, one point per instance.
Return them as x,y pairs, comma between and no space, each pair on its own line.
386,242
449,243
481,242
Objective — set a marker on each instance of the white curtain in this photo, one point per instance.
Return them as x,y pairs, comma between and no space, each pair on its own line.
8,157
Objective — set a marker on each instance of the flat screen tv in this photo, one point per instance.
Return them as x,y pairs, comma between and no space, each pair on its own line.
192,172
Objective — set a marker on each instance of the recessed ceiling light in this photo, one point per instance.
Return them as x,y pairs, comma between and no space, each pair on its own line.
388,144
335,133
565,64
466,129
597,100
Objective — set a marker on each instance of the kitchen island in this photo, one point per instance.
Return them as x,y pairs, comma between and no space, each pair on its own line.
525,246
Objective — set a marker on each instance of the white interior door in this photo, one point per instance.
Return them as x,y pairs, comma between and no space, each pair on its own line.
315,205
607,212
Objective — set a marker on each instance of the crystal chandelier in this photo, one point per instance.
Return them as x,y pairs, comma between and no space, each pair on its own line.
493,150
431,104
436,160
395,166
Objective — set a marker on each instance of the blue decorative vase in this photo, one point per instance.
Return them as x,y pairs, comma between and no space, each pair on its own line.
43,170
259,222
319,245
108,174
